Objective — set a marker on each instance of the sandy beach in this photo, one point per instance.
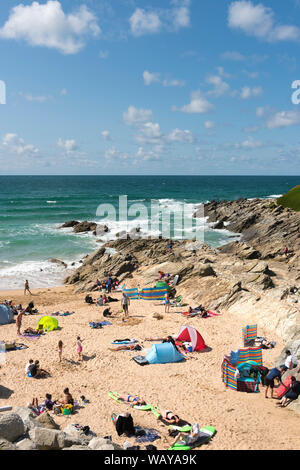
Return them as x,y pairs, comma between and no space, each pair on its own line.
193,389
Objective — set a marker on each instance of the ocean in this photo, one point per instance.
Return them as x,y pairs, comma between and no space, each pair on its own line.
33,207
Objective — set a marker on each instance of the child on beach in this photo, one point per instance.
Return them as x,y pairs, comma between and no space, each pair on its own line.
79,348
167,303
60,348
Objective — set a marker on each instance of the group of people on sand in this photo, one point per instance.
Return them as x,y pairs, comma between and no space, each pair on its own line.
33,369
49,405
293,391
165,415
108,285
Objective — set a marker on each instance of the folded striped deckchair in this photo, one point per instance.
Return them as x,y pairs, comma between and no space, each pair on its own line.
249,334
154,293
131,293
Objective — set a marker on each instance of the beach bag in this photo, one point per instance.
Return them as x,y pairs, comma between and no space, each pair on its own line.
89,299
124,425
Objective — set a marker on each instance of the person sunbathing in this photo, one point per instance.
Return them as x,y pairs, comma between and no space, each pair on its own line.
132,399
168,417
31,331
127,347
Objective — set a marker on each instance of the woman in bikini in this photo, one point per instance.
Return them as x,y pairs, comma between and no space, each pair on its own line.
168,417
132,399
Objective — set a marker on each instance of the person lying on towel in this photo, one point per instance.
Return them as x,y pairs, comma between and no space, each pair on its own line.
127,347
132,399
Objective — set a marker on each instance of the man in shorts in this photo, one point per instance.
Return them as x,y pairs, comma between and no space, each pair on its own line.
270,377
125,303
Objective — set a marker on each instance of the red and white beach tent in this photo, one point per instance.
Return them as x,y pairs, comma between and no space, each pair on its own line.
191,335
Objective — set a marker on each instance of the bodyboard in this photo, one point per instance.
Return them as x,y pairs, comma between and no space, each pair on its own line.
284,387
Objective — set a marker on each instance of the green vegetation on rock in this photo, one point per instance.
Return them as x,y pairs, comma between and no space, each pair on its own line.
291,199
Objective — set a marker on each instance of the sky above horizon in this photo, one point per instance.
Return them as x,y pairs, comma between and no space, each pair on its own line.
149,87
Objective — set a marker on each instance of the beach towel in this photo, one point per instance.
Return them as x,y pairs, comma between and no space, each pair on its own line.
30,336
16,347
150,435
99,324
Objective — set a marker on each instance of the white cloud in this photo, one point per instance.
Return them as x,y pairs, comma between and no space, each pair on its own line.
283,119
220,86
178,135
209,125
150,77
197,105
233,55
47,25
260,111
135,116
174,82
16,145
106,135
152,21
249,92
143,22
259,21
69,145
249,143
63,92
150,133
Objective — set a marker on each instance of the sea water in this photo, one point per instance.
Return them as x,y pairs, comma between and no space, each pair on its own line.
33,207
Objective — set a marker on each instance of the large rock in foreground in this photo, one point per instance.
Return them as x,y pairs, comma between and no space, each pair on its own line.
11,426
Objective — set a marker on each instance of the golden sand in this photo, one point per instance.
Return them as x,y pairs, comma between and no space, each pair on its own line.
193,389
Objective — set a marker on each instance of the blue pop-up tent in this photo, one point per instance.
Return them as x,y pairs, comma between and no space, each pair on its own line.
163,353
6,315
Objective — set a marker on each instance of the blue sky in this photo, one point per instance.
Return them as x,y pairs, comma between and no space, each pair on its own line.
149,87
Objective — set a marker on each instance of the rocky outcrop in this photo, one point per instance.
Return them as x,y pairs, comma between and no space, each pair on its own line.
22,430
265,227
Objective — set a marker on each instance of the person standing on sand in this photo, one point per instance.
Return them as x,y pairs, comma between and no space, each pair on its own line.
26,288
286,251
125,302
167,302
270,377
60,349
19,322
79,348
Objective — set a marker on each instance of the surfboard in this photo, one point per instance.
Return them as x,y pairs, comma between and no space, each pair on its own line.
283,388
205,436
186,428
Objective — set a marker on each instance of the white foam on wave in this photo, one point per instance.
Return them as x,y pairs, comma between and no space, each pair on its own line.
38,273
51,202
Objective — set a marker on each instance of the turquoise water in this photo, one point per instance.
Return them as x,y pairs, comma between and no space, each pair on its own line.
32,207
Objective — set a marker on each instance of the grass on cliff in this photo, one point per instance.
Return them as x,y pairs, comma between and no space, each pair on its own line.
291,199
